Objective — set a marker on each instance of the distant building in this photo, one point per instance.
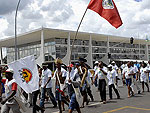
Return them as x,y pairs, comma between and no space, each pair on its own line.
47,44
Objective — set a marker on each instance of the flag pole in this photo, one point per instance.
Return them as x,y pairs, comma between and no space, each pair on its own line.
76,34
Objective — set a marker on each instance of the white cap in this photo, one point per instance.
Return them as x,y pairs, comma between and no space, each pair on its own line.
109,65
9,70
113,62
96,62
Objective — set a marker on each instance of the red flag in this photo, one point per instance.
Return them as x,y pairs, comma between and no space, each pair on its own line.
108,10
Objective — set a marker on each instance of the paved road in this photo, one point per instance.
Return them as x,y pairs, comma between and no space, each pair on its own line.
140,103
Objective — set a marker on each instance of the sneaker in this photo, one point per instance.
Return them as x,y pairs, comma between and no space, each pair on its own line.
118,97
139,92
104,102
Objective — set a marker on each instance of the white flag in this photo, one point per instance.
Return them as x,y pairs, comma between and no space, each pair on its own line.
26,73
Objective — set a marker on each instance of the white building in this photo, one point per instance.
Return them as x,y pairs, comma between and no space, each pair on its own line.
47,44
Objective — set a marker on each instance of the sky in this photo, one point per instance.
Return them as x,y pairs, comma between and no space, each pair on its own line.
66,14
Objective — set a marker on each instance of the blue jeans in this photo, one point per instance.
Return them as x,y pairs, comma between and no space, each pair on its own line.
50,94
73,102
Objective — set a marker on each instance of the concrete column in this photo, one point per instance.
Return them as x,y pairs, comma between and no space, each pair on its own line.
41,58
108,45
108,50
67,57
42,45
89,56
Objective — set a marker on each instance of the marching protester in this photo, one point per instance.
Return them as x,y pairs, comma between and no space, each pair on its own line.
73,81
2,81
101,75
46,86
143,75
85,76
114,66
128,72
123,65
95,68
135,78
111,75
60,75
10,91
148,67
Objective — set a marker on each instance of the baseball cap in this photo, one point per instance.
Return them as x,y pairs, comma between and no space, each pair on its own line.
71,65
96,62
9,71
109,66
113,62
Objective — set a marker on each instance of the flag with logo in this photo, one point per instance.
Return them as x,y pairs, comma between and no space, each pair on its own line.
108,10
26,73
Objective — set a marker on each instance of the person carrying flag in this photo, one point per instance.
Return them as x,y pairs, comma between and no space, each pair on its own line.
85,76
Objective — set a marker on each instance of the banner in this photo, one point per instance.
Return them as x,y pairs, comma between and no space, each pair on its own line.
108,10
26,73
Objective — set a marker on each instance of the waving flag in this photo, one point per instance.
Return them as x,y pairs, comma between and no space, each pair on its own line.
26,73
108,10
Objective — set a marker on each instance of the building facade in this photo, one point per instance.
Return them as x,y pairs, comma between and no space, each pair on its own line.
53,43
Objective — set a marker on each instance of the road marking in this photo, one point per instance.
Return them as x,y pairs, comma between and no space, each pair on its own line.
56,112
98,103
116,109
139,108
125,107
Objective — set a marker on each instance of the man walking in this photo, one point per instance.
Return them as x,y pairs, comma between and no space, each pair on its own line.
46,86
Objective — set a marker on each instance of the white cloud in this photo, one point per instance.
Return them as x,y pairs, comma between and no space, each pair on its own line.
66,14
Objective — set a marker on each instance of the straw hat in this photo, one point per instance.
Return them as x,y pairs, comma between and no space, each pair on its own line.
58,61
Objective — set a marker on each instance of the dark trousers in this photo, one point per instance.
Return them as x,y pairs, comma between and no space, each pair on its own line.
90,93
102,88
110,91
35,106
50,94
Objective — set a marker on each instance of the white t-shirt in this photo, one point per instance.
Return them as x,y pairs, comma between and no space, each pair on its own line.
115,67
89,77
100,73
123,66
135,69
8,87
45,76
63,71
95,68
148,68
72,75
111,75
128,71
143,74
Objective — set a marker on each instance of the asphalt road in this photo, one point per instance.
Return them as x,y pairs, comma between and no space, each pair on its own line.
139,103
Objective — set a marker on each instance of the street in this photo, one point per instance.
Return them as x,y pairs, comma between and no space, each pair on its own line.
139,103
